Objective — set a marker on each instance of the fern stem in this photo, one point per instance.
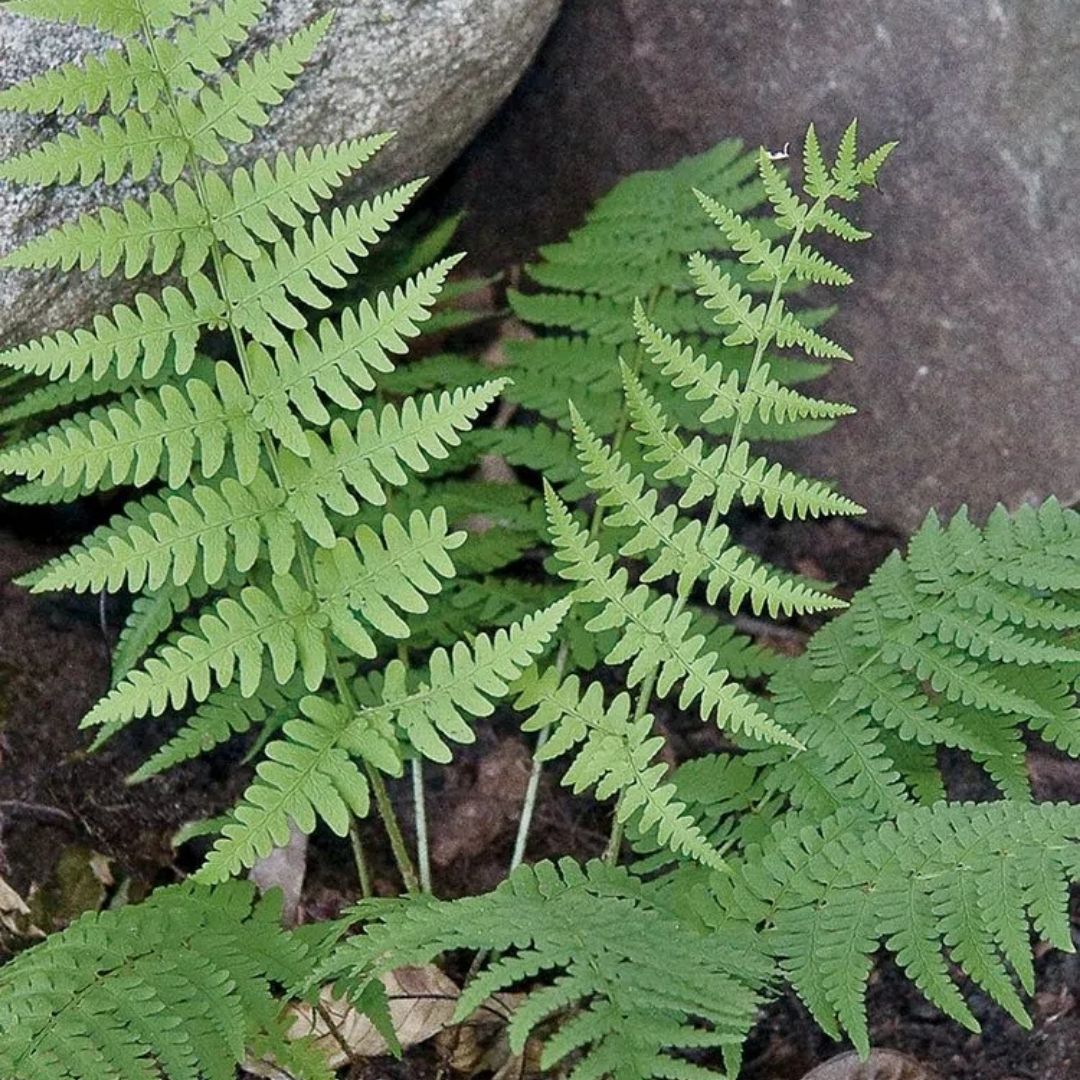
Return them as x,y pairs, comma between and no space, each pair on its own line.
363,872
528,807
423,856
386,810
393,830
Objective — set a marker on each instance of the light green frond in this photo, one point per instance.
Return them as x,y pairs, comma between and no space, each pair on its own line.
614,754
257,201
726,393
684,548
341,358
112,16
112,78
147,336
380,575
744,237
376,454
791,331
653,633
305,777
719,475
233,108
230,641
133,441
205,529
309,775
727,300
136,235
463,682
223,715
150,618
135,143
263,291
788,209
815,171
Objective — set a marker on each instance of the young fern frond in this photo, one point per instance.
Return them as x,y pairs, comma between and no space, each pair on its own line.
652,630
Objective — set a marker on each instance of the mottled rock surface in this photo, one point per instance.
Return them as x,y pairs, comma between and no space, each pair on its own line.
431,70
965,315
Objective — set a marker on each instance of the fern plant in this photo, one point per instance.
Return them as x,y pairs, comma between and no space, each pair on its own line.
653,631
826,830
269,564
288,539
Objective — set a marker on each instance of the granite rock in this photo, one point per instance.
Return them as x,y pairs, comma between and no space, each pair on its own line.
433,71
964,315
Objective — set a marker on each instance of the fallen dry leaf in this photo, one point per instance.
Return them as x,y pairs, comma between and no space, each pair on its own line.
14,913
881,1065
422,1002
479,1043
284,868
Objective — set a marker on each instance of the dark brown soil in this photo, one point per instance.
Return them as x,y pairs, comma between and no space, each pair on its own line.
53,664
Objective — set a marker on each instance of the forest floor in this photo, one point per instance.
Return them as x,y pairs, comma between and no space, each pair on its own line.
73,835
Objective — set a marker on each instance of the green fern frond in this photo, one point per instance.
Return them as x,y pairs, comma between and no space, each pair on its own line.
178,986
376,454
147,336
930,656
342,358
632,986
136,143
113,78
309,774
299,267
685,548
119,17
240,215
653,633
142,437
224,714
287,624
202,530
461,682
967,878
614,754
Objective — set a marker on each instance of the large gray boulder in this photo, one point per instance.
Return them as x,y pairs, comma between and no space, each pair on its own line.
433,71
965,312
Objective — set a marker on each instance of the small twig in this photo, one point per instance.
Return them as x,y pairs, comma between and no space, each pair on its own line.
36,810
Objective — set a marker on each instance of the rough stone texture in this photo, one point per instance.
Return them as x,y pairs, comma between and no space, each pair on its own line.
963,318
880,1065
431,70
